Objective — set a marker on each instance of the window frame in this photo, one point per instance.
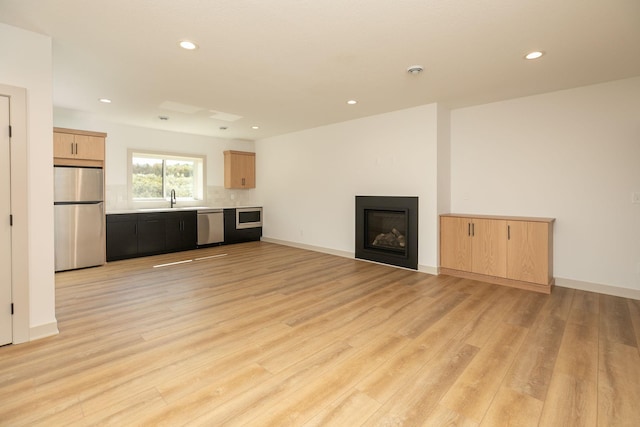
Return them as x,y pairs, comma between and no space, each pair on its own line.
200,176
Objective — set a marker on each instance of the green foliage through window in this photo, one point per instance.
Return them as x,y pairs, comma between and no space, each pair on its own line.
154,176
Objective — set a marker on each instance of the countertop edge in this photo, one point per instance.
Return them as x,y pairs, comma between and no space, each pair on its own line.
178,209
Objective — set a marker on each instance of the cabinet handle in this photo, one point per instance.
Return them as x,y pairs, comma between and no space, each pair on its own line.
469,229
243,182
71,147
508,232
76,144
473,230
135,229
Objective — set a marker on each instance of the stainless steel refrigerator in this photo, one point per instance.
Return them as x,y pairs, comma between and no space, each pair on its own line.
79,217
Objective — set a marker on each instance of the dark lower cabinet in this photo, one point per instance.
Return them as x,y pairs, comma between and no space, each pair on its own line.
151,233
122,236
135,235
141,234
232,235
181,231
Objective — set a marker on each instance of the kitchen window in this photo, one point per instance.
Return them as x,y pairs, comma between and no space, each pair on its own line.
152,176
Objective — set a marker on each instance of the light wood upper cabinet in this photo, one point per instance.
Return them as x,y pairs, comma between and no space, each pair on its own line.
239,169
78,148
514,251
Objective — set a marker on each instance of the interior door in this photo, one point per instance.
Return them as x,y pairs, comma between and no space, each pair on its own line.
6,326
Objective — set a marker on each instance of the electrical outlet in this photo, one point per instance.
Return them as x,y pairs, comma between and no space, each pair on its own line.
635,197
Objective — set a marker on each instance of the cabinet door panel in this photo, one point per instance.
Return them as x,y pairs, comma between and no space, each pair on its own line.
189,230
63,145
239,167
248,172
455,243
489,247
527,251
122,239
151,235
173,229
90,147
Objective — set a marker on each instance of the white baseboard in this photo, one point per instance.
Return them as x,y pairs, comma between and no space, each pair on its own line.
599,288
344,254
421,268
43,331
428,269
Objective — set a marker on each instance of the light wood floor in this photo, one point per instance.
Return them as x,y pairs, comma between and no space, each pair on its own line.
269,335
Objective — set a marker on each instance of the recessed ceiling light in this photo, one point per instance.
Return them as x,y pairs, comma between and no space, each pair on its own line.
105,100
255,127
415,69
189,45
352,102
534,55
163,118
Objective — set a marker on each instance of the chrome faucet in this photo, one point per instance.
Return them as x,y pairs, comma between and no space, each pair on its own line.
173,198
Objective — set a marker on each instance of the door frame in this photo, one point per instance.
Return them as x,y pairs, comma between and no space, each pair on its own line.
19,211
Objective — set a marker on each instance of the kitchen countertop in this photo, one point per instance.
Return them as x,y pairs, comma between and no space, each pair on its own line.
175,209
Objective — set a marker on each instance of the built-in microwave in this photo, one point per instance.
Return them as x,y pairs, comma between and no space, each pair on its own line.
248,218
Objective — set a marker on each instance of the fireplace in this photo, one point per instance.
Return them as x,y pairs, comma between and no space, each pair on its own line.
387,230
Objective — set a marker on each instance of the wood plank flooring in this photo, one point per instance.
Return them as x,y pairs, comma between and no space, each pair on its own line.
259,334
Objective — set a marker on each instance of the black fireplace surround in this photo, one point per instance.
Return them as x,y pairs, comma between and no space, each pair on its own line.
387,230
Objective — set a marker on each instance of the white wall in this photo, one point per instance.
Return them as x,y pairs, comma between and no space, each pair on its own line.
121,137
26,63
573,155
308,180
444,161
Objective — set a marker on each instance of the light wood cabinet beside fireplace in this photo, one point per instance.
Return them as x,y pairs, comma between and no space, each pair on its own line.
511,251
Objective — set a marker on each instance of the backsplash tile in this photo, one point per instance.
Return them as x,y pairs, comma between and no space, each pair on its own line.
216,196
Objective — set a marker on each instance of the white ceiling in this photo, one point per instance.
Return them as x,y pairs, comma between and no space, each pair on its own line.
287,65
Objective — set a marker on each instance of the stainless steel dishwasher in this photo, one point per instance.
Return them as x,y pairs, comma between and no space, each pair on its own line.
210,226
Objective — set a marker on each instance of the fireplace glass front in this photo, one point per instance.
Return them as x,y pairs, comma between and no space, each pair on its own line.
386,230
